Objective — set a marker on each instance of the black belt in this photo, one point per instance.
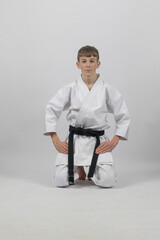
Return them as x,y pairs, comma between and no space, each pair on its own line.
84,132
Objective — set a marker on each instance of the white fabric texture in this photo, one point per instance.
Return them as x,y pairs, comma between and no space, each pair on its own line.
104,176
87,109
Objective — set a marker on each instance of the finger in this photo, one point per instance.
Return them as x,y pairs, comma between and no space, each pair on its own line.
64,152
65,147
101,148
107,145
63,144
101,145
105,149
104,144
108,149
101,152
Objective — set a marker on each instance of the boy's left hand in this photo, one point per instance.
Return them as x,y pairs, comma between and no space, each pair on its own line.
107,146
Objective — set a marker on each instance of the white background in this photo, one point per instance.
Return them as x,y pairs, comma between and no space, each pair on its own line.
39,43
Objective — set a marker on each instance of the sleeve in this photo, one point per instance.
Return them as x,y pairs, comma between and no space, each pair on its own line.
58,103
117,106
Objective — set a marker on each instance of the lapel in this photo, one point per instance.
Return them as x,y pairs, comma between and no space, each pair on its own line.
87,98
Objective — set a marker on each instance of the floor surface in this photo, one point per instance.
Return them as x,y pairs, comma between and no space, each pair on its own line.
129,211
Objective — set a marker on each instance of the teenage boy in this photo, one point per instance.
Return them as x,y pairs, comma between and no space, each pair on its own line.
87,150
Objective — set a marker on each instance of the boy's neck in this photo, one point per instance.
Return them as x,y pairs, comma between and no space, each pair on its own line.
91,79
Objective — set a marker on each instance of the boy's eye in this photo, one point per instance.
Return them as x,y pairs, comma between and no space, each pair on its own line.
90,61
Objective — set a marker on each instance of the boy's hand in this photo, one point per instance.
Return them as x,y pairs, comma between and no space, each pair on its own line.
107,146
61,147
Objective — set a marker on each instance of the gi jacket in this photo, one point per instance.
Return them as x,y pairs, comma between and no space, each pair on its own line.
87,109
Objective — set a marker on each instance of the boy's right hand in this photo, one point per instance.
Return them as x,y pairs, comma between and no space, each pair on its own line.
61,147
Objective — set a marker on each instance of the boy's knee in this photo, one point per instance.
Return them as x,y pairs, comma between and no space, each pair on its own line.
61,181
61,178
107,177
108,181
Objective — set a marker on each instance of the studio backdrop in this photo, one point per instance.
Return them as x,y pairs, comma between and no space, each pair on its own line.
39,44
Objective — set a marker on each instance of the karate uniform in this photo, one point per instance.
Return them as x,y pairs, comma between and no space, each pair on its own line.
87,109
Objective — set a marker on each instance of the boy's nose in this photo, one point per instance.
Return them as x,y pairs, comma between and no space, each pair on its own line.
88,63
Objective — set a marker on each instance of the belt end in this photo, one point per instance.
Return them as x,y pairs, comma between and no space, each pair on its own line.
71,180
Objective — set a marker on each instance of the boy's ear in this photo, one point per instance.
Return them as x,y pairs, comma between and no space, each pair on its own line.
77,63
98,64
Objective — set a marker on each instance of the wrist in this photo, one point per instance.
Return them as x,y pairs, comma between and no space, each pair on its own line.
55,138
116,139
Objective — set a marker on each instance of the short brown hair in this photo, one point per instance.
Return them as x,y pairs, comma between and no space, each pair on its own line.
88,51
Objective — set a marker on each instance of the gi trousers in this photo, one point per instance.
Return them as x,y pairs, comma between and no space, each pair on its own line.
104,175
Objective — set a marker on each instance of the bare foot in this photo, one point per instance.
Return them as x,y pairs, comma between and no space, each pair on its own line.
81,173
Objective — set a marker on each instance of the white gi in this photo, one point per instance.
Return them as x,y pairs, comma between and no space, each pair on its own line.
87,109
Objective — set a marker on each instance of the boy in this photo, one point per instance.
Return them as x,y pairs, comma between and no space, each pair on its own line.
88,101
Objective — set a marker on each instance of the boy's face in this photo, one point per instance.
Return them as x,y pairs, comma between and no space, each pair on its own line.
88,65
